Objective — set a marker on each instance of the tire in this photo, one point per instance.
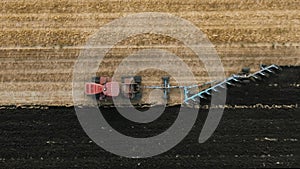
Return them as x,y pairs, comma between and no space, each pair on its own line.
167,78
263,65
97,96
138,79
245,70
138,96
123,79
96,79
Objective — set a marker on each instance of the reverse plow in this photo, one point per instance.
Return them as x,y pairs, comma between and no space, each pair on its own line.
243,77
131,87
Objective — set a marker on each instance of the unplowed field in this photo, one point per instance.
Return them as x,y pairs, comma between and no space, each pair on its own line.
41,40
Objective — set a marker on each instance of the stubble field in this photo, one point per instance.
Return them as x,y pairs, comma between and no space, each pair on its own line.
40,41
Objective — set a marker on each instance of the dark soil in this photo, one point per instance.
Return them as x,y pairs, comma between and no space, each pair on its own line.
245,138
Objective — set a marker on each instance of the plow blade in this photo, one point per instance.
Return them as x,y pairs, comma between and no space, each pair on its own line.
234,80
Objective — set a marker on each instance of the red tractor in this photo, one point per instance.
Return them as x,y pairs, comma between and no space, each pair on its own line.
104,88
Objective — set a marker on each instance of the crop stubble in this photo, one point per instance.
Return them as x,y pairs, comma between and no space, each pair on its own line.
40,41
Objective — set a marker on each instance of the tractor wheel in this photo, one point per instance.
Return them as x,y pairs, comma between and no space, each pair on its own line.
138,79
138,96
167,78
263,65
245,70
122,79
96,79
